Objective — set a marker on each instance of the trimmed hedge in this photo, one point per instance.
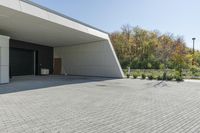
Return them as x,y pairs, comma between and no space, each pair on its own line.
135,75
143,76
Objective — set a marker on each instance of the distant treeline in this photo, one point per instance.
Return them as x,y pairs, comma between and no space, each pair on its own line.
143,49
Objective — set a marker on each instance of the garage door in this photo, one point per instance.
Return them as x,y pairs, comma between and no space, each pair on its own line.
21,62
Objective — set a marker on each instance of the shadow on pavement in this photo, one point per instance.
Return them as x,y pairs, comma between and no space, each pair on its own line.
25,83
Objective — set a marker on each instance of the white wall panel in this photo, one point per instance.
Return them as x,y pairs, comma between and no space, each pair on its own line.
4,55
92,59
4,74
4,59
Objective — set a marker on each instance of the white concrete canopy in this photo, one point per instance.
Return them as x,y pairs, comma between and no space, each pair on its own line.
26,22
29,22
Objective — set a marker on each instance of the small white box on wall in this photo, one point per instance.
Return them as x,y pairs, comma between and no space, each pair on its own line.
44,71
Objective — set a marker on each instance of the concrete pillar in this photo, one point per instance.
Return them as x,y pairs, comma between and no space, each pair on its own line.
4,59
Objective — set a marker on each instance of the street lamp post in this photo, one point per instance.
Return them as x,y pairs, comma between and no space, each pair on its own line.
193,50
193,44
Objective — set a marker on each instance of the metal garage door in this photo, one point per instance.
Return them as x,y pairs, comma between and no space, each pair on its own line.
21,62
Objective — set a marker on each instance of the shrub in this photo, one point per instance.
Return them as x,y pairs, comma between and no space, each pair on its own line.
177,73
150,77
128,76
179,78
195,71
164,76
143,76
135,75
169,77
155,76
159,78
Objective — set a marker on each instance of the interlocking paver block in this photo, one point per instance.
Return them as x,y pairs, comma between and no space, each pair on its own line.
56,104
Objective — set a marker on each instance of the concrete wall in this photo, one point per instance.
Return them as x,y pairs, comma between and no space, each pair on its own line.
91,59
4,59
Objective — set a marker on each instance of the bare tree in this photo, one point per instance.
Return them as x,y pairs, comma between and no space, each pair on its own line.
126,30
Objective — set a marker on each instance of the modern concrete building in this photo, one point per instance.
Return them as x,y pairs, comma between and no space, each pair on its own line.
35,40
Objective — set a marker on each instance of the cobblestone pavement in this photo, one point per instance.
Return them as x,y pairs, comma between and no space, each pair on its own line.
84,105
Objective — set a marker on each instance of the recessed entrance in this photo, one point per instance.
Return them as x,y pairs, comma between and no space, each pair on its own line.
29,59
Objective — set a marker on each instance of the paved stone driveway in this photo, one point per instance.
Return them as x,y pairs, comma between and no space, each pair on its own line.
81,105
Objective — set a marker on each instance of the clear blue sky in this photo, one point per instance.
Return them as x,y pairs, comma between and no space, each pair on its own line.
180,17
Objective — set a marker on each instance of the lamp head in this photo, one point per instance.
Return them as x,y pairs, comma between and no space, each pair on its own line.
193,39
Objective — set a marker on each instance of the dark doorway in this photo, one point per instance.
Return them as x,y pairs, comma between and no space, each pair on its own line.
22,62
57,66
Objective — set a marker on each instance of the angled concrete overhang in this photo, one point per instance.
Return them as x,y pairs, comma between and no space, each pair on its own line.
26,21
